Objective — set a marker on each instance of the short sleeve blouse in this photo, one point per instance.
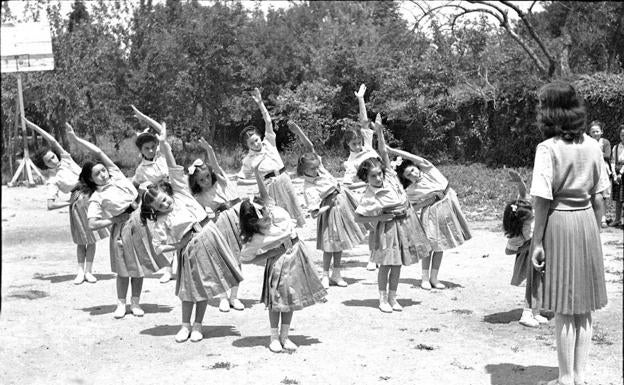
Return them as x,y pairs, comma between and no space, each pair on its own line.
272,160
221,192
65,178
113,198
431,182
315,189
282,228
375,199
151,171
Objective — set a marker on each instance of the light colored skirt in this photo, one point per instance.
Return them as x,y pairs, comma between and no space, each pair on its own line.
444,223
79,223
228,224
401,241
280,188
290,282
574,280
144,247
336,229
206,266
128,254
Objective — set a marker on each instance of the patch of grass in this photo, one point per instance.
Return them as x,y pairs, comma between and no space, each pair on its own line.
221,365
384,378
515,348
462,311
601,337
289,381
424,347
457,364
433,330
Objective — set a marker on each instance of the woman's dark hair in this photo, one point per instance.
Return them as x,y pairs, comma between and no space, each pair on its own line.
515,214
305,161
145,137
250,223
620,128
40,153
596,123
561,112
349,135
148,197
368,165
248,133
192,178
400,169
85,176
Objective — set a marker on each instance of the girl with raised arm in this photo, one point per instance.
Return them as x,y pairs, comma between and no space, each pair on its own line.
290,282
332,206
264,156
212,189
206,265
440,213
397,238
113,200
63,179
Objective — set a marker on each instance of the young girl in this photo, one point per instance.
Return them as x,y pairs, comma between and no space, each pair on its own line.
290,282
333,206
206,266
518,227
212,189
595,131
152,169
263,154
63,178
112,201
617,165
397,237
444,223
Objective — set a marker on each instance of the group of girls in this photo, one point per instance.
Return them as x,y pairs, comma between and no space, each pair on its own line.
196,217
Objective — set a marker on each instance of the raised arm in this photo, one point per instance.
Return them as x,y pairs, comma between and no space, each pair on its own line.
383,152
48,137
362,106
268,124
264,194
212,158
90,147
418,161
522,189
144,118
307,144
165,147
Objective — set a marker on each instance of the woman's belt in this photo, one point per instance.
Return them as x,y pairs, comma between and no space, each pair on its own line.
227,205
196,228
275,173
431,200
284,247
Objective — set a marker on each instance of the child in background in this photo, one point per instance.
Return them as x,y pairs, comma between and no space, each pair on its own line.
63,178
518,226
617,193
152,169
207,267
595,131
113,202
397,238
440,213
264,156
214,192
290,282
333,206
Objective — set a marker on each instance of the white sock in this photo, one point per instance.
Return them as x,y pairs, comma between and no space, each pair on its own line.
274,334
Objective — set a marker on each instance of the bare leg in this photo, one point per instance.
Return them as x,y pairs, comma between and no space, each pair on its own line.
137,286
200,310
382,283
284,340
436,261
565,333
185,331
425,263
89,257
336,277
122,287
618,209
327,256
275,346
395,273
583,324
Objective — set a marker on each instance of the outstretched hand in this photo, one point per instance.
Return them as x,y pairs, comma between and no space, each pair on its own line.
377,124
70,129
360,93
515,176
256,95
162,136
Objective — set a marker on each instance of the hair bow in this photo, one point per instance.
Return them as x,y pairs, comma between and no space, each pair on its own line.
144,186
397,162
514,207
258,210
196,164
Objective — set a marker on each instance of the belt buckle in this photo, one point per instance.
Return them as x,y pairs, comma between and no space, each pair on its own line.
197,227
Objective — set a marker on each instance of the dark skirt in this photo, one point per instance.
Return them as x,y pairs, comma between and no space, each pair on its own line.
574,279
290,282
524,270
206,266
79,223
336,229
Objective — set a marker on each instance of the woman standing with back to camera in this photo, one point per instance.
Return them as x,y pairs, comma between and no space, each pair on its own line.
568,177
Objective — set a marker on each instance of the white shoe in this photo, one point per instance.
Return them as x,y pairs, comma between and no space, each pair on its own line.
224,305
80,277
336,278
287,344
166,277
371,266
184,333
120,310
90,278
396,306
384,306
275,346
541,319
196,332
135,308
528,320
236,304
325,281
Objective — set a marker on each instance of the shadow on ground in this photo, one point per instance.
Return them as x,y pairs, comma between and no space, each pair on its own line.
253,341
148,308
510,316
374,303
416,283
209,331
56,278
512,374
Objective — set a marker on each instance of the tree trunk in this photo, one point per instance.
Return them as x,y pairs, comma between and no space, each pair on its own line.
618,36
564,60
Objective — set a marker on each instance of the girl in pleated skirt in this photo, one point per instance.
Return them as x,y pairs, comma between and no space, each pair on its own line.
290,282
206,265
334,208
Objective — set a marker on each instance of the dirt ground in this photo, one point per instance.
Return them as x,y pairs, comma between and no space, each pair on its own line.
54,332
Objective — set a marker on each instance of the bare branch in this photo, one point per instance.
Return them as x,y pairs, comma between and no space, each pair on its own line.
531,7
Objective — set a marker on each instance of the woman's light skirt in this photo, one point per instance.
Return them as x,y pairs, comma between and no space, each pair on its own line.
280,188
336,229
444,223
79,223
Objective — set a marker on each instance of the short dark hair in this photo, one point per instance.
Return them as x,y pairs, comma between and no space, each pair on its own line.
250,223
148,197
561,111
304,162
400,169
247,133
351,134
368,165
620,128
192,178
596,123
145,137
37,157
86,178
515,214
